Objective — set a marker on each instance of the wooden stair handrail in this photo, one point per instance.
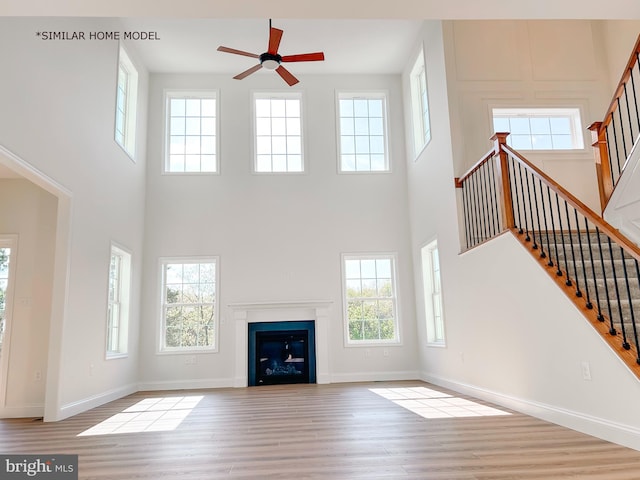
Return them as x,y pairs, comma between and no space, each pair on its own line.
599,132
613,106
460,180
615,235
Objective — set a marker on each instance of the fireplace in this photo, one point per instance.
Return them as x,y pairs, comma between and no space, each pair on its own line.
281,353
286,313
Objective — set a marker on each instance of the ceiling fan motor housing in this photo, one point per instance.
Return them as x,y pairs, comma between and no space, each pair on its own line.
270,60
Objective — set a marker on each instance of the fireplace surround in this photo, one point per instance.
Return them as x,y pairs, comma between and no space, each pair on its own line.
244,314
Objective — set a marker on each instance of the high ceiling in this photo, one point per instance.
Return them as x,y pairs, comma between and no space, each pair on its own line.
350,46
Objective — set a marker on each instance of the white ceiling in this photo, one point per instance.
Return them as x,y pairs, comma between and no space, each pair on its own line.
350,46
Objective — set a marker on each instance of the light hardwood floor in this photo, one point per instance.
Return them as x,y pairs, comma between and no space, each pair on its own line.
340,431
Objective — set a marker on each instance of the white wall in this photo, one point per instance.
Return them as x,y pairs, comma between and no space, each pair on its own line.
58,103
530,64
279,237
511,335
30,213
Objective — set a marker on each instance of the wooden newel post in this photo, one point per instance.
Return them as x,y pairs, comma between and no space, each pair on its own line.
603,166
504,187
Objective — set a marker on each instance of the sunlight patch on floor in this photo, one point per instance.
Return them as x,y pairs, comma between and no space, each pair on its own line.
430,403
161,414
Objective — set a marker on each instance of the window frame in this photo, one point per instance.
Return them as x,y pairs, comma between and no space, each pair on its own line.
429,284
189,94
130,104
162,349
124,303
364,94
8,241
271,95
573,112
348,342
420,111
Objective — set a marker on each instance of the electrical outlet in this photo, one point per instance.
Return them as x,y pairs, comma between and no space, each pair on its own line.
367,352
385,352
91,368
586,370
38,375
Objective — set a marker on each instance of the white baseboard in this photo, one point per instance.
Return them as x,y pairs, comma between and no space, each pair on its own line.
23,411
88,403
186,384
374,376
597,427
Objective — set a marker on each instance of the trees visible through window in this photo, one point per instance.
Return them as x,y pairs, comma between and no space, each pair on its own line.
278,130
540,128
189,304
5,255
118,302
126,100
370,299
363,138
192,133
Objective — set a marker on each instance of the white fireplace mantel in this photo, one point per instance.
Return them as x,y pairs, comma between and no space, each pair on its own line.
281,311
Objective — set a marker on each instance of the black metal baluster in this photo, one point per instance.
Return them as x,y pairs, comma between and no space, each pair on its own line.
546,228
624,141
573,253
568,282
488,200
615,140
533,235
524,207
612,328
514,194
626,101
553,229
535,200
474,197
631,312
613,180
584,268
485,207
625,344
495,221
465,213
593,269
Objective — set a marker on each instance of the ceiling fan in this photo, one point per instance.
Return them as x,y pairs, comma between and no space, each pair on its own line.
272,60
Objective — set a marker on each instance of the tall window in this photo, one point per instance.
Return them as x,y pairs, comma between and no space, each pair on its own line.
5,260
278,129
420,104
118,302
126,100
540,128
191,133
189,304
432,294
363,132
370,299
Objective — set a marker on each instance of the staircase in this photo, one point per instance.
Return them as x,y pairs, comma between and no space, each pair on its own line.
601,274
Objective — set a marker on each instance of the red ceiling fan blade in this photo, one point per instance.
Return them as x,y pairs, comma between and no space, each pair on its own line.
248,72
304,57
237,52
286,75
275,35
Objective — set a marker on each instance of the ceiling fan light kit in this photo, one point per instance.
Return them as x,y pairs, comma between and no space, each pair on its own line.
271,59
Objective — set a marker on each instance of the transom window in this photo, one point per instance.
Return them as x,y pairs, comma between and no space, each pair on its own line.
370,299
540,128
432,294
126,100
189,304
192,133
363,138
118,302
278,129
420,104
